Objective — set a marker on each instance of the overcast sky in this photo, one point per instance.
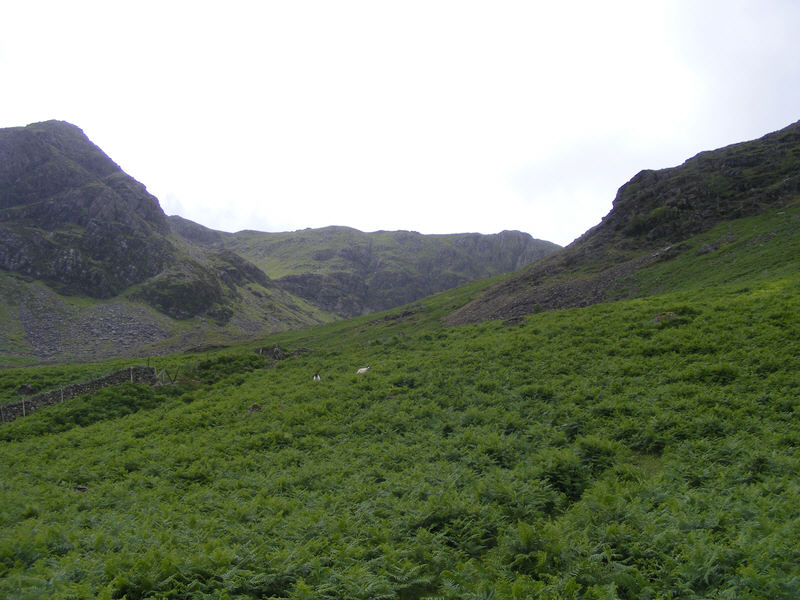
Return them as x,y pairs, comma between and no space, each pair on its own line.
433,116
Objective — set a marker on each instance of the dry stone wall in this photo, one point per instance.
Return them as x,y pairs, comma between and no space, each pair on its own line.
23,408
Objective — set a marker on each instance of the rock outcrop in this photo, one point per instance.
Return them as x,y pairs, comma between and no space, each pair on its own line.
71,217
652,214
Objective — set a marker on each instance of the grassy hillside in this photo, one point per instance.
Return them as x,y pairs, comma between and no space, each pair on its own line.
653,219
646,448
350,273
332,249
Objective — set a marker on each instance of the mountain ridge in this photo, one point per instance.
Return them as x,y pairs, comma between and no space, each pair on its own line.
652,216
82,242
71,219
349,272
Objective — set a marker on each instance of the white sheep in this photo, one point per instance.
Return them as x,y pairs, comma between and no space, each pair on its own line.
362,370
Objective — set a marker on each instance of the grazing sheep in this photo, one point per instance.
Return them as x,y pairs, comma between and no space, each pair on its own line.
362,370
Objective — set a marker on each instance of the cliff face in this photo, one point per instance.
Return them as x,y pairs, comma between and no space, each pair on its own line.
349,272
71,217
651,216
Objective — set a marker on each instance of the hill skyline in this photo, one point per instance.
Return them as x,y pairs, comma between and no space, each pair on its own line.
91,265
72,219
615,421
333,118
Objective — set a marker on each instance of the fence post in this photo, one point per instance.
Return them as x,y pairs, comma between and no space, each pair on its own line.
62,394
23,406
131,374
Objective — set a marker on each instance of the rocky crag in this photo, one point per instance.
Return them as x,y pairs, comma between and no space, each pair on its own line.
71,219
652,215
348,272
91,267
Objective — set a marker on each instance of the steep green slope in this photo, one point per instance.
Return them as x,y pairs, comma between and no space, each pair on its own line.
349,272
653,215
644,448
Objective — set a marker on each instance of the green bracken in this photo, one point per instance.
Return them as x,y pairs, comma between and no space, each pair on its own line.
645,448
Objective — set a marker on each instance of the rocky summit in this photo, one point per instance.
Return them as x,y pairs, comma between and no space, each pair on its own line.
69,216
